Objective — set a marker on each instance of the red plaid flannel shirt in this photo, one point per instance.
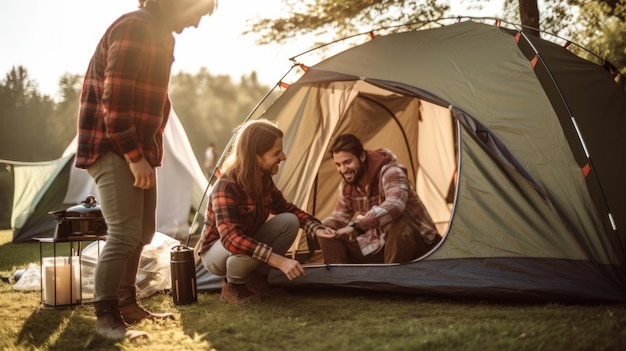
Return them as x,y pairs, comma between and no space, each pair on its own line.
234,216
124,104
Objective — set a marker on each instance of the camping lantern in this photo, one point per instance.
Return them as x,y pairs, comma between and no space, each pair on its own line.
83,219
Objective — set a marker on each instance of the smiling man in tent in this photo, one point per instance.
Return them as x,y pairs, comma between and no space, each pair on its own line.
379,218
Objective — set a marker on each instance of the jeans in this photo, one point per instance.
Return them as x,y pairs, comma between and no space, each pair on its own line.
279,232
130,215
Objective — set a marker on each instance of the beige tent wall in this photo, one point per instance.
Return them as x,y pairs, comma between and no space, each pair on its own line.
438,162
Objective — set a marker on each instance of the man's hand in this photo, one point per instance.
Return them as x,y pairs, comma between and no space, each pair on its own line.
347,230
291,268
145,176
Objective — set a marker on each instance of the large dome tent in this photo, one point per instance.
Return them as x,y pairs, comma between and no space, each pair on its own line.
510,141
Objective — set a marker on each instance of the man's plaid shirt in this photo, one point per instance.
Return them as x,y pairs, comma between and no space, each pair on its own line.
388,196
124,104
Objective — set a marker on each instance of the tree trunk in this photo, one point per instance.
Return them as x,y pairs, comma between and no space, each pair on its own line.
529,14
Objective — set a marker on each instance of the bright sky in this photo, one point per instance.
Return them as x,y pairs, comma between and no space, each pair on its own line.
53,37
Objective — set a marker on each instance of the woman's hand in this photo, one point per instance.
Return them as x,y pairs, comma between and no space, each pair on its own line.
326,232
291,268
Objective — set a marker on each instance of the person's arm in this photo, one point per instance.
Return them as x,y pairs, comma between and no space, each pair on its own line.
233,216
395,186
128,48
290,267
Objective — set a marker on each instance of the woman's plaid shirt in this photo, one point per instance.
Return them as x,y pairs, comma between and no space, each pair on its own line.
234,216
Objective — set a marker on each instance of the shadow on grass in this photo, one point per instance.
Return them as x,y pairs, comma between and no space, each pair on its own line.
62,329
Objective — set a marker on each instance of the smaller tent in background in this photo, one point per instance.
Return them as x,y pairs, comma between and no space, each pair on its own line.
41,187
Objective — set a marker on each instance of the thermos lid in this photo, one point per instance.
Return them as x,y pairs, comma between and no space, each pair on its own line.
180,248
181,253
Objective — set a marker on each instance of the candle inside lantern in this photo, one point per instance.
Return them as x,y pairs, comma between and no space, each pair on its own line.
61,280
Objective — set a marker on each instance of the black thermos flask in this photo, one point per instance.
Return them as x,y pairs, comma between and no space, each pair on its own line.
183,271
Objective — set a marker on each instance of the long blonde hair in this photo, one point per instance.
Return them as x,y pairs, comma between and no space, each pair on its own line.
252,138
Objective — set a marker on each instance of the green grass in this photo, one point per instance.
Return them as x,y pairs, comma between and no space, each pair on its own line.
330,319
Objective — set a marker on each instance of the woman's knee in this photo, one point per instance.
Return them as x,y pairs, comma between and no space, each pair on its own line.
214,263
239,267
216,269
289,219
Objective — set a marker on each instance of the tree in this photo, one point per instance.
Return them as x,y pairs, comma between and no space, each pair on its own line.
24,114
210,107
529,16
584,20
62,124
342,17
34,127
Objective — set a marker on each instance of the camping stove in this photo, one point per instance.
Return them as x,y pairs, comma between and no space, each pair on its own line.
83,219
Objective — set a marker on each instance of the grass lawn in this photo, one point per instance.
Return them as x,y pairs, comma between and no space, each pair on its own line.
330,319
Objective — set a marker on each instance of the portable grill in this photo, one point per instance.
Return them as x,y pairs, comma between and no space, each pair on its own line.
83,219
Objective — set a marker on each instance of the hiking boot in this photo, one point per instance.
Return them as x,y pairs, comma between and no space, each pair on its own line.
236,293
109,323
133,312
259,286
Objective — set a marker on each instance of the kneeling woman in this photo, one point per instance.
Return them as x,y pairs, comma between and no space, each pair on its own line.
238,240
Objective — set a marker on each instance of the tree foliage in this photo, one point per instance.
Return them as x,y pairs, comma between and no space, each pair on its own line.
210,107
597,24
342,17
34,127
603,31
25,117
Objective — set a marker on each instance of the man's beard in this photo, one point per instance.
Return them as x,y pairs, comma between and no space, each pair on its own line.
357,175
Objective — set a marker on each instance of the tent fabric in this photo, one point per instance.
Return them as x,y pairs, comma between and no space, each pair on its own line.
495,142
37,187
55,185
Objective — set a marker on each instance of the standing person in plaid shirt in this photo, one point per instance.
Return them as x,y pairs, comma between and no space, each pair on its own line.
238,241
378,217
124,107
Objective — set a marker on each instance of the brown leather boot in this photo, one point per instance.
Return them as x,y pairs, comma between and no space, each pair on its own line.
259,286
133,312
236,293
109,323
